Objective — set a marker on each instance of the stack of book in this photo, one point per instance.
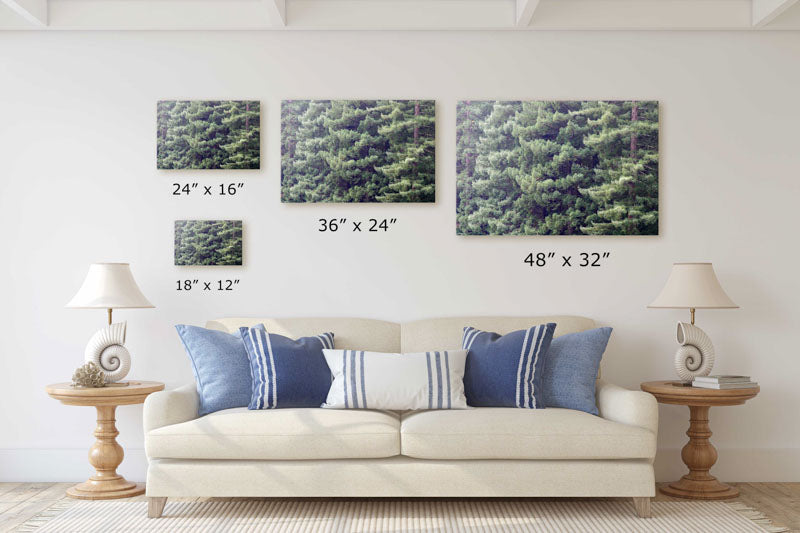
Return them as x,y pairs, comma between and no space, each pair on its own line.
723,382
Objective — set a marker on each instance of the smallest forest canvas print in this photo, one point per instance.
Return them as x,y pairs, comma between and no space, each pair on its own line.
557,168
209,134
358,151
208,242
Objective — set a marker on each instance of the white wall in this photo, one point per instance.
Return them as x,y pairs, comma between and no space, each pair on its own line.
79,184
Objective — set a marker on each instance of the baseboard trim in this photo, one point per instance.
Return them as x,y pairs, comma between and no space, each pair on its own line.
737,464
72,465
62,464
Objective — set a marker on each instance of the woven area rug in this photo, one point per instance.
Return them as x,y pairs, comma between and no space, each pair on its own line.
317,516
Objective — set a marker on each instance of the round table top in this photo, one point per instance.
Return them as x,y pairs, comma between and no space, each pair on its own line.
674,392
113,394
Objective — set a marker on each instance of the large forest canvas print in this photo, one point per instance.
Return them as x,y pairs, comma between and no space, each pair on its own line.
208,242
557,168
358,151
209,134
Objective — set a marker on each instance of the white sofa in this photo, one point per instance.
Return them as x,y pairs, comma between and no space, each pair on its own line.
481,452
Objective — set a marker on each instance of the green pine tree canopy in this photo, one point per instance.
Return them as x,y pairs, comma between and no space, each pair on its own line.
557,168
358,151
208,242
203,134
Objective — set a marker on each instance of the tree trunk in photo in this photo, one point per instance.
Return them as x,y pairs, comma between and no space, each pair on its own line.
247,116
416,124
470,142
634,118
416,136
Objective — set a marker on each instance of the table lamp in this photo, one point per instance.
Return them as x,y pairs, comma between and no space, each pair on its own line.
693,286
109,286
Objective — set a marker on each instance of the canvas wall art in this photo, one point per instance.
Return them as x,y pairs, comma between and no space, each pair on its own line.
358,151
557,168
209,134
208,242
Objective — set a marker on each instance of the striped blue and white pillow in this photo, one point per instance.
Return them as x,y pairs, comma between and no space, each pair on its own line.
506,371
395,381
286,372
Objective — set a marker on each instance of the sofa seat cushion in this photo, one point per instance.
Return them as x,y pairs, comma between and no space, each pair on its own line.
299,433
509,433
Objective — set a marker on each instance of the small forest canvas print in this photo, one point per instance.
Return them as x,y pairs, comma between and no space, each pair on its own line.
358,151
209,134
208,242
557,168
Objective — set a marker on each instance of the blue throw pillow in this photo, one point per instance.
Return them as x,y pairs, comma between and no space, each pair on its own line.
570,369
286,372
220,365
506,371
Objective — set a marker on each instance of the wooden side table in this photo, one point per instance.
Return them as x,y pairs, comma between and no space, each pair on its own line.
698,454
106,454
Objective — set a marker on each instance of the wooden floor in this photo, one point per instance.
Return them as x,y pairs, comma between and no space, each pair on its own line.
21,501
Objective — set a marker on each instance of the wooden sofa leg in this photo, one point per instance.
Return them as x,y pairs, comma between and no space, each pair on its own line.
155,506
642,506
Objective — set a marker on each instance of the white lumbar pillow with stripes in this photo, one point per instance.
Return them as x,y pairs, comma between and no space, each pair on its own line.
396,381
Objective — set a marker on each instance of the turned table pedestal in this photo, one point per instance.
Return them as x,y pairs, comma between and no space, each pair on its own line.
698,454
106,454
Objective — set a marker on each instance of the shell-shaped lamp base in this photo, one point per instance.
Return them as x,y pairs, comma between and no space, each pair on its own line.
107,350
695,357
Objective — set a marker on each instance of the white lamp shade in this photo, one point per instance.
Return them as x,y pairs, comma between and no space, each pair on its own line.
109,286
693,285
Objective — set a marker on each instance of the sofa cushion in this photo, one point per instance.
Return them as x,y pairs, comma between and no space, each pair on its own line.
506,370
279,434
351,333
447,333
398,381
220,366
510,433
286,372
570,370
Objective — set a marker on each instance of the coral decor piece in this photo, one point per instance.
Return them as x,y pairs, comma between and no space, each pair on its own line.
89,375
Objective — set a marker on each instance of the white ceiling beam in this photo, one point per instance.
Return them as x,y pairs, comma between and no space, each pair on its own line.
525,11
34,11
400,14
642,15
277,10
765,11
396,15
158,15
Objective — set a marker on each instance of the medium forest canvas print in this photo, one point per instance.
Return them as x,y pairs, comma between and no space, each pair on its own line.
209,134
208,242
358,151
557,168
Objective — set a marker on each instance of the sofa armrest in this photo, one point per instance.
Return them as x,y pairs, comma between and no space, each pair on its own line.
634,408
170,407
